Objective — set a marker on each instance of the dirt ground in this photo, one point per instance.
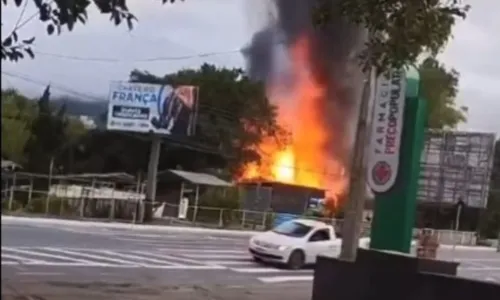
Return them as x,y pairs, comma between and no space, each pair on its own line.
102,291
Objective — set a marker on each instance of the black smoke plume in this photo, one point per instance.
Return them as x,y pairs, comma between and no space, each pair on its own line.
333,57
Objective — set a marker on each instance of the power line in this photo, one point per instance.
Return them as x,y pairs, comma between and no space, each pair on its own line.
20,24
55,86
144,60
20,16
208,108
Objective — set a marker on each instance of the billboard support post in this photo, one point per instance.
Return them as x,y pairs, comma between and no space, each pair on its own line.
395,204
157,109
154,158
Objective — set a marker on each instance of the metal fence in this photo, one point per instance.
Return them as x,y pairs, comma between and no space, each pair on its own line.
100,199
217,217
76,196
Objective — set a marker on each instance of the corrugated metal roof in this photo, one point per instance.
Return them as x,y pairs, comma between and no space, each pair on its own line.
201,178
7,164
120,176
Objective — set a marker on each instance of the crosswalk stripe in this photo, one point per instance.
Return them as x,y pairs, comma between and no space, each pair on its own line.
92,256
201,250
169,257
40,254
230,262
216,256
130,256
15,257
179,242
278,279
257,270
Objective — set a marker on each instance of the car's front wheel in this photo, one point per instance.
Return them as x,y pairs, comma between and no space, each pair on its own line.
296,260
257,259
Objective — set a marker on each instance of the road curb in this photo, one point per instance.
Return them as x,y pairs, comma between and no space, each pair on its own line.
183,229
87,224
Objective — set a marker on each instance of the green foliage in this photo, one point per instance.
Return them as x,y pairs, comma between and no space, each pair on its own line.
38,205
48,135
234,114
18,115
440,87
399,30
225,198
34,132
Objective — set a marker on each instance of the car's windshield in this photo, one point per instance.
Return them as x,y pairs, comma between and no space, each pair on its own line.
293,229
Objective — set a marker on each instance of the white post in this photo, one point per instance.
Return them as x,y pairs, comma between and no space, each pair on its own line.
498,242
196,199
51,170
30,192
457,226
221,213
12,191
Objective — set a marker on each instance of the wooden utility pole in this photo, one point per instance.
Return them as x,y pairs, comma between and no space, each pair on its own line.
357,184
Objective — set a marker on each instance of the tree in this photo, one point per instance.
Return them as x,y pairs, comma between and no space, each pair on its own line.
48,135
18,114
234,114
399,30
440,88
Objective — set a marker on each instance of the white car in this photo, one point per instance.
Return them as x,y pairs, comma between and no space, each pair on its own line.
295,243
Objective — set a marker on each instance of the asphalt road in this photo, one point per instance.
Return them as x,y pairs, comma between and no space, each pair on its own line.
55,253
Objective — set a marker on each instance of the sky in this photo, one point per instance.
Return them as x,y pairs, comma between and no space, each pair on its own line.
85,60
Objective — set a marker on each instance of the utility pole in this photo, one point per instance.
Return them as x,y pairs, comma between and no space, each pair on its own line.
357,184
154,158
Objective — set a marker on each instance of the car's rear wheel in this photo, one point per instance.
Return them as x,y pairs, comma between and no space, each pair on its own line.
296,260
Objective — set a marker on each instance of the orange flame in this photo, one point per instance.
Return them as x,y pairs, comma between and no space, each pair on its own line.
304,159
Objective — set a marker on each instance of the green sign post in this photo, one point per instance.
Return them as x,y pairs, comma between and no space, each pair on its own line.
393,169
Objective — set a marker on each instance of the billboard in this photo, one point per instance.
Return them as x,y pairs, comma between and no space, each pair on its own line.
160,109
456,166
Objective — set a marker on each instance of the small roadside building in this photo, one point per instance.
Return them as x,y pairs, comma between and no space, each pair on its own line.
174,185
278,197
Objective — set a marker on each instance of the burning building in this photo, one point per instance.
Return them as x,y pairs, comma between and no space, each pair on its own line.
312,76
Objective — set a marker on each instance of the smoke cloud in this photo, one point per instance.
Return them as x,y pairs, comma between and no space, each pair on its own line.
333,59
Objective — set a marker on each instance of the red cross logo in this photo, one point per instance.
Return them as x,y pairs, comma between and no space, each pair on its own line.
381,173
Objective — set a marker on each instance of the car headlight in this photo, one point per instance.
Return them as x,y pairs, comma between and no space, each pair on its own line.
282,248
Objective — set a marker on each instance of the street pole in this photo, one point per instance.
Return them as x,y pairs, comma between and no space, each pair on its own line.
154,158
357,184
